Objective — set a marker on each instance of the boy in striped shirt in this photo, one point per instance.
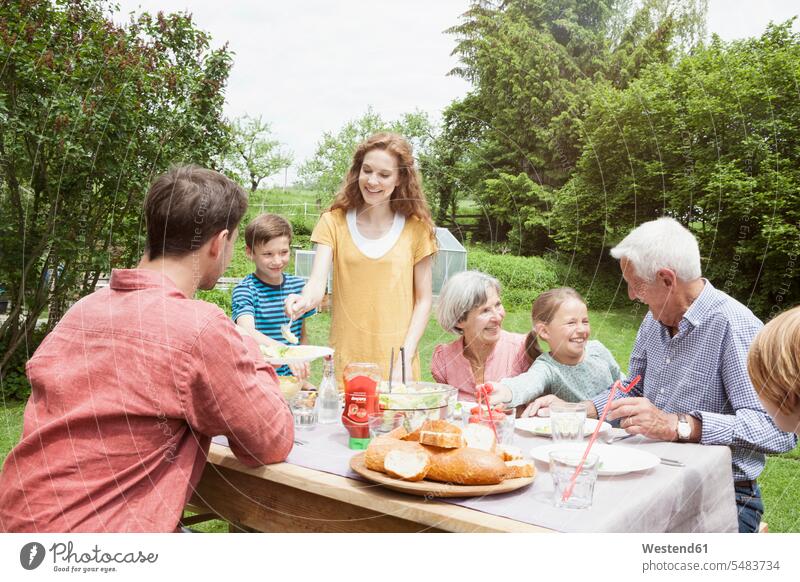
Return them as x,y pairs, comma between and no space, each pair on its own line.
258,299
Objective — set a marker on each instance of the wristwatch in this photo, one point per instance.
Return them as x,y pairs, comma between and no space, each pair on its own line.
684,428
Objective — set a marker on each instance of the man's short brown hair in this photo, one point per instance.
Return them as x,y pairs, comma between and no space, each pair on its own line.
264,228
187,206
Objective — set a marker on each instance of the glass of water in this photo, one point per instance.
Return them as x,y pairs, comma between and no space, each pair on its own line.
562,467
304,409
567,420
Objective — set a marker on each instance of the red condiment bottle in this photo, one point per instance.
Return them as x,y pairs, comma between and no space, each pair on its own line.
360,400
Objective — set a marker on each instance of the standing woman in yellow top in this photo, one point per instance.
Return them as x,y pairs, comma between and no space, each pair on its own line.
379,237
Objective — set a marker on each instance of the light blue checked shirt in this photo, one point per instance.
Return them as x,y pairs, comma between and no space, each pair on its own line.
702,371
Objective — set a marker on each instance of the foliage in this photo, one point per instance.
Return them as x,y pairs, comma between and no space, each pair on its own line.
711,141
89,113
325,171
524,278
253,156
534,65
218,297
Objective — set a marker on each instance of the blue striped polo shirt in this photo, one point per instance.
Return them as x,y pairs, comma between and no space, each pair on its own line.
265,303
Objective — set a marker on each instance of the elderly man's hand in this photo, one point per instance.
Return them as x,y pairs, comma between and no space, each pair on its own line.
640,416
543,404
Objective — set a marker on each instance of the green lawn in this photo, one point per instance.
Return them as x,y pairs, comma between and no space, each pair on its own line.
780,481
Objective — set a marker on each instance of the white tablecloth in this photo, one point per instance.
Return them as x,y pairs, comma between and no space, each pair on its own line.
695,498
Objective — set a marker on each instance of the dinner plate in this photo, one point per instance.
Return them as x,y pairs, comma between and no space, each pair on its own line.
432,489
540,426
295,354
614,459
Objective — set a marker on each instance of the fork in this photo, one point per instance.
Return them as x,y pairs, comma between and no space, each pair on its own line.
610,440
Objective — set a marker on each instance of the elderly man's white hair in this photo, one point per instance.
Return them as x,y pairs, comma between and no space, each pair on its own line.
462,293
661,244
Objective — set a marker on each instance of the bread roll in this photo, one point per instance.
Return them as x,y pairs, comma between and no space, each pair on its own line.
508,452
380,447
465,466
519,468
480,436
440,433
408,465
412,436
397,433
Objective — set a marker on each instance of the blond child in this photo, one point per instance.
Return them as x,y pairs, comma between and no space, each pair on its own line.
774,367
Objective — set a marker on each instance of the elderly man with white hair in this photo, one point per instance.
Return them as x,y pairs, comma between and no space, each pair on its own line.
691,352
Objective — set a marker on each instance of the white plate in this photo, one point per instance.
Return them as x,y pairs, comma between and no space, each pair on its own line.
540,426
614,459
299,355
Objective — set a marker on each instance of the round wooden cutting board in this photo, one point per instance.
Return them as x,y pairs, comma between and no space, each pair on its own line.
432,488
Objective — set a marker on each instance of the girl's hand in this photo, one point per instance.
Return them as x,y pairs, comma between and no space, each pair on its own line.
541,406
495,392
296,305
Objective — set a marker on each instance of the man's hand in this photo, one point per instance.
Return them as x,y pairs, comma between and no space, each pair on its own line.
542,404
640,416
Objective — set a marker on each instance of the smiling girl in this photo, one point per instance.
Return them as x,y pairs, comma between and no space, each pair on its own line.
574,369
379,237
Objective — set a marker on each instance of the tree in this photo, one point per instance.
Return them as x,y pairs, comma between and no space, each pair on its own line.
534,66
325,171
712,142
253,156
90,112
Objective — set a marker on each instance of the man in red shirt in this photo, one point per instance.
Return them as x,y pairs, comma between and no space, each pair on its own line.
129,387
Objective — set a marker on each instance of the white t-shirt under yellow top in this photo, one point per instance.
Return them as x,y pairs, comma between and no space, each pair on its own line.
373,288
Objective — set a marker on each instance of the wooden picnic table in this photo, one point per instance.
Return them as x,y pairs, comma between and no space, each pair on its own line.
315,491
290,498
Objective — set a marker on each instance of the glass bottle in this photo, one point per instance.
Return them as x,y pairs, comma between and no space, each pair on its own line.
328,400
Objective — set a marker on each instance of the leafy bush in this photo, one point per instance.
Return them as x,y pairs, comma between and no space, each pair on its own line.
14,383
524,278
218,297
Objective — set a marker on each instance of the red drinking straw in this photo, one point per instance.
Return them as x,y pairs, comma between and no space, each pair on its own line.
617,385
485,391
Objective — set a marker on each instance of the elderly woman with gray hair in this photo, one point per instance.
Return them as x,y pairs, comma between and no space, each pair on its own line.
470,306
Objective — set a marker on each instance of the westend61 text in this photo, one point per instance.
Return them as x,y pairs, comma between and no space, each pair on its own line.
64,553
670,549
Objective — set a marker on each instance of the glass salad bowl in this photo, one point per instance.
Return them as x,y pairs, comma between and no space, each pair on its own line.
418,401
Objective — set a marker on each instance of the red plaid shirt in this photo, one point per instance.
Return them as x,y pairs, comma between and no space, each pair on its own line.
126,392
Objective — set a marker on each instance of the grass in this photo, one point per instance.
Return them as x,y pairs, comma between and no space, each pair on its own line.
780,481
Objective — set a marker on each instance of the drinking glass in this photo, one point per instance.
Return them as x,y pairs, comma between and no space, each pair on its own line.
562,467
385,421
503,426
567,420
304,409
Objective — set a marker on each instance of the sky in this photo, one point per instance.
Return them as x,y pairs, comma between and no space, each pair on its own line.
310,66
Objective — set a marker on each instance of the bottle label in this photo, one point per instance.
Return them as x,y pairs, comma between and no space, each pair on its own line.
360,402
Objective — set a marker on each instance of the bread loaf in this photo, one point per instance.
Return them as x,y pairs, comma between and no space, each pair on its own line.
465,466
409,465
440,433
519,468
380,447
